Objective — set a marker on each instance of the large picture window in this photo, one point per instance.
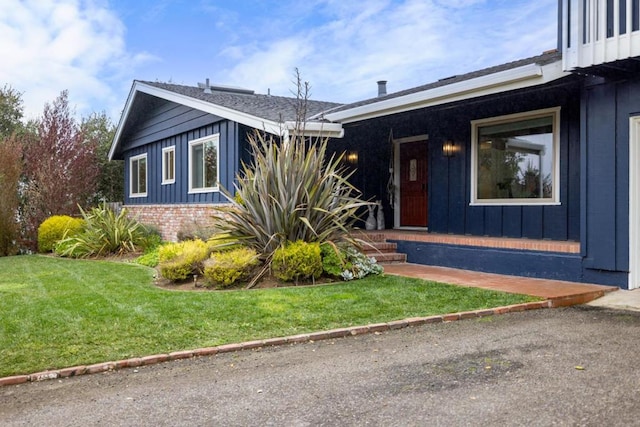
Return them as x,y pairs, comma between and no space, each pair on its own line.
204,164
138,176
169,165
515,159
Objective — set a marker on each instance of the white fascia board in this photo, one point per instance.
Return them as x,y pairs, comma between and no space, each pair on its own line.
123,120
268,126
317,129
503,81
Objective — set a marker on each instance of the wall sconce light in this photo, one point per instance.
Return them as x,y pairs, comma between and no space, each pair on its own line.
352,157
448,148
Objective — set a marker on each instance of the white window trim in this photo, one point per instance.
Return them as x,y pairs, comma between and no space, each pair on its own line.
552,201
164,165
146,175
216,140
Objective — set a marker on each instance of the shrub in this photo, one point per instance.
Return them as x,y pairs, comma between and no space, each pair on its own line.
297,260
105,232
150,258
333,259
151,239
55,228
292,189
227,268
194,230
347,262
179,261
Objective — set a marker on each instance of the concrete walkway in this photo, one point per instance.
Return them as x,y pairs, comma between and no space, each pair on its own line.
559,293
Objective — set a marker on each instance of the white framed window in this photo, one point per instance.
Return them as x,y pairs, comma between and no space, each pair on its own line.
138,176
169,165
204,164
515,159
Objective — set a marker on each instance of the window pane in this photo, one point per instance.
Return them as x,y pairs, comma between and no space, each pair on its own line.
197,162
211,165
142,175
515,159
171,165
168,165
134,177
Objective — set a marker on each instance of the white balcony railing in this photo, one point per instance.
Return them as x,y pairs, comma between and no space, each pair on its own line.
599,31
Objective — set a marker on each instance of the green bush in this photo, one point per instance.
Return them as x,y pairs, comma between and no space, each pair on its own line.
151,239
55,228
104,233
333,259
179,261
150,258
227,268
297,261
347,262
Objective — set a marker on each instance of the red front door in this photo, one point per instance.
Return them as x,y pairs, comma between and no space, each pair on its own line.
414,164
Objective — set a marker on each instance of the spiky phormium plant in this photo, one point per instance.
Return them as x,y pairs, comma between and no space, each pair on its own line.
291,191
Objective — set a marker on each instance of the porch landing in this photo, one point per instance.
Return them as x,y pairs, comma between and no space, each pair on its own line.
558,293
568,247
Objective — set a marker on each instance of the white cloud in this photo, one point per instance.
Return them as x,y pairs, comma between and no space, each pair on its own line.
408,43
50,46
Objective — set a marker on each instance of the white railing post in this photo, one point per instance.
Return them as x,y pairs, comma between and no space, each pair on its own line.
586,41
571,40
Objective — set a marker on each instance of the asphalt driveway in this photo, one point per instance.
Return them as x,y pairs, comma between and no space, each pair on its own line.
569,366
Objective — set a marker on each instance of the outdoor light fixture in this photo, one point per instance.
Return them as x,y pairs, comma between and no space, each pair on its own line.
352,157
448,148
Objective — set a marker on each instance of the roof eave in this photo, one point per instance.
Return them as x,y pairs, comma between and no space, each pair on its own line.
317,129
503,81
268,126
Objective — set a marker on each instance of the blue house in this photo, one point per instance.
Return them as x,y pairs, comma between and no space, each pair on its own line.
181,143
529,168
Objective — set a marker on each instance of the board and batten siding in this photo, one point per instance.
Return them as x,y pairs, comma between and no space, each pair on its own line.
172,125
606,110
449,177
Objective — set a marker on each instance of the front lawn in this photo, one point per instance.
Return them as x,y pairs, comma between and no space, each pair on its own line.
57,312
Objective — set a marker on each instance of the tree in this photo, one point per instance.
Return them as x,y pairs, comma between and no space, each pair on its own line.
110,185
61,168
10,170
11,111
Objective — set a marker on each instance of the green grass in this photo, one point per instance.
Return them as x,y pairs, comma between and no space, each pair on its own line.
58,312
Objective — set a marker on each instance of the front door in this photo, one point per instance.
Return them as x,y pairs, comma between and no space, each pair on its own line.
414,164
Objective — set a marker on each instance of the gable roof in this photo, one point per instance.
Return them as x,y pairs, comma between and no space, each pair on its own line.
273,114
501,78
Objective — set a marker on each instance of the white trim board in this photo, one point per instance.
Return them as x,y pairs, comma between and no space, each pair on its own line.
503,81
634,202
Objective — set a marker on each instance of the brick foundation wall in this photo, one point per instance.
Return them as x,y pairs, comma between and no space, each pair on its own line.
172,219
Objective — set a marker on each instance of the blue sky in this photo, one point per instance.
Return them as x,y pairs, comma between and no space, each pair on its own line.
96,48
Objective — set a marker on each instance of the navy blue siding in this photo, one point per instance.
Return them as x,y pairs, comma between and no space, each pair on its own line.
166,122
606,110
546,265
449,179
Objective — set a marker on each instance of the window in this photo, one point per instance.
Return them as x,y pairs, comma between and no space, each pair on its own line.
203,164
138,176
515,159
169,165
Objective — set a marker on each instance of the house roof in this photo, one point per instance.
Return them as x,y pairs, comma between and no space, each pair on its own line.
501,78
277,114
267,107
273,114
